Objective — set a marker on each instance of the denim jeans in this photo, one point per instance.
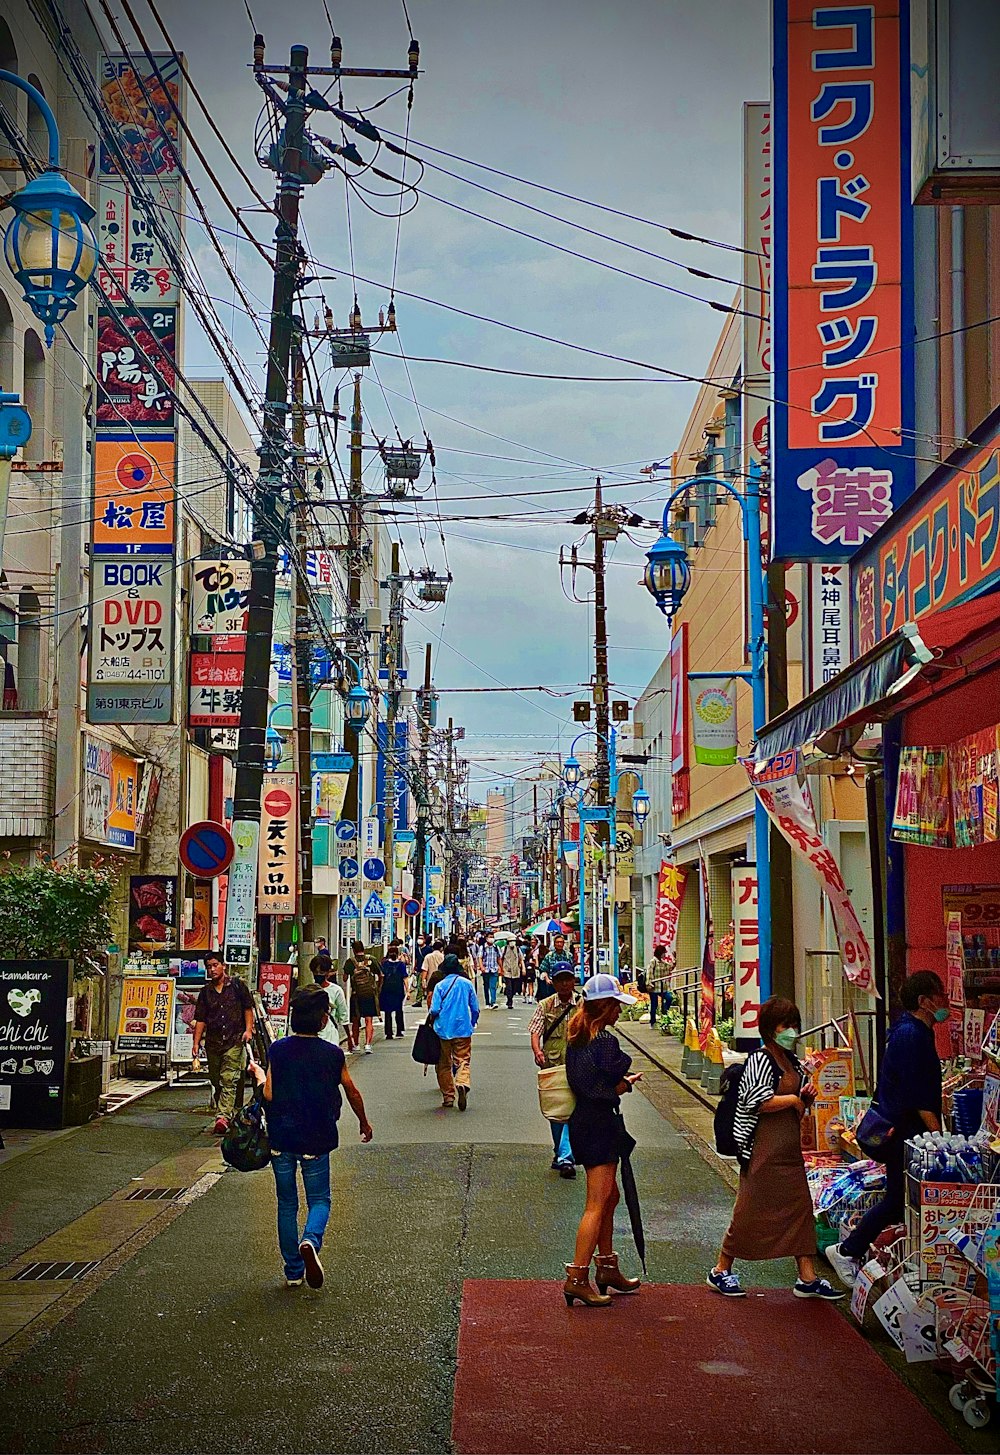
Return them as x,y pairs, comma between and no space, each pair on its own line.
560,1142
891,1209
316,1180
490,986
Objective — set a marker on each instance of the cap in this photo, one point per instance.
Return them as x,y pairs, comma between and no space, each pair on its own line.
563,967
606,987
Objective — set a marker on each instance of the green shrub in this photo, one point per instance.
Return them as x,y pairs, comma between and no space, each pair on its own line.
53,913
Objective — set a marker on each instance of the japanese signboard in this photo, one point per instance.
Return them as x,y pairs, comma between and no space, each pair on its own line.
36,1009
789,807
669,894
277,882
152,913
146,1015
842,303
131,639
746,951
133,260
142,101
397,775
220,592
275,983
757,228
199,936
829,623
110,795
713,717
135,368
133,497
678,697
943,548
216,691
241,896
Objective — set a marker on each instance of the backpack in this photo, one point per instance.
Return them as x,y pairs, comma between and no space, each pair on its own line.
363,980
245,1145
725,1112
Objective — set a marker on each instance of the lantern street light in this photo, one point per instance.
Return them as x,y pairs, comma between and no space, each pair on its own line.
49,245
640,806
666,578
357,705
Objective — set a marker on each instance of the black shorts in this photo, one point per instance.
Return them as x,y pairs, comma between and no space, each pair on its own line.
363,1006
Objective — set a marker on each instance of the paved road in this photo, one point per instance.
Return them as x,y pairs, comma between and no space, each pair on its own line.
195,1344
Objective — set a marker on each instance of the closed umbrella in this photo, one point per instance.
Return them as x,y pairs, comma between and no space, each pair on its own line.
631,1195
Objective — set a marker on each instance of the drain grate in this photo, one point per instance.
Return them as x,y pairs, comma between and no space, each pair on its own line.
155,1194
43,1272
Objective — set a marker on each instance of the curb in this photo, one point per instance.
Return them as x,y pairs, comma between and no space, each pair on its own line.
690,1086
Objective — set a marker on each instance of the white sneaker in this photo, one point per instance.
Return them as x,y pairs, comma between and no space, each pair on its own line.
368,1050
844,1266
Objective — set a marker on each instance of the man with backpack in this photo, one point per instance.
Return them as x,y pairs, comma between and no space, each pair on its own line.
547,1029
364,981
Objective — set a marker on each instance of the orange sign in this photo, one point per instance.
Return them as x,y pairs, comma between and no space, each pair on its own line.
134,496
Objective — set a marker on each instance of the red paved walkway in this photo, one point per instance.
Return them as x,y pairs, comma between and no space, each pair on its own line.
674,1369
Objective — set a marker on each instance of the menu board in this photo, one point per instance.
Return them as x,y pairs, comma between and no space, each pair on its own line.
145,1019
36,1009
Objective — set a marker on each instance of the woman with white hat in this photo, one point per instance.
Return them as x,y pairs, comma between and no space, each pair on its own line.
598,1073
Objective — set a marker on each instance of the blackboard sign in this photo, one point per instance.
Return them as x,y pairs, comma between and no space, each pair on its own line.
35,1015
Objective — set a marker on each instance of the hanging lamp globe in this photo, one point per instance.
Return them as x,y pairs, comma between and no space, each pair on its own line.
640,806
571,772
667,574
357,705
50,247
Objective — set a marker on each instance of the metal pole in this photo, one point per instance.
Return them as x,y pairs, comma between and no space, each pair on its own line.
613,836
602,708
260,613
392,705
353,808
302,642
420,840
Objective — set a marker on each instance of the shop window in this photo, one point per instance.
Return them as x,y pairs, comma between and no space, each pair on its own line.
29,651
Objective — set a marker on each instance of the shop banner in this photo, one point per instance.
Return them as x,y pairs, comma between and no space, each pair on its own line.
842,450
136,370
713,717
678,697
829,623
133,260
949,1036
707,951
757,221
130,654
110,795
669,894
922,813
36,1011
133,497
329,792
241,894
277,883
182,1039
746,951
146,130
789,807
972,762
199,936
275,985
220,593
216,690
146,1016
152,913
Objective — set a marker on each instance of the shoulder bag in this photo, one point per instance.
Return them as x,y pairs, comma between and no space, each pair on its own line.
874,1134
426,1049
555,1095
245,1145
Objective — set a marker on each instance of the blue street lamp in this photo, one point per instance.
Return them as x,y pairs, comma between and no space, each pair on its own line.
49,246
666,578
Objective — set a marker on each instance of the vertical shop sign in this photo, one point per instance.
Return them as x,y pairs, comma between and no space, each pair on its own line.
220,595
746,951
843,356
707,952
275,984
829,622
757,230
131,639
789,807
277,884
669,894
241,893
146,1016
134,262
152,913
136,370
713,717
36,1009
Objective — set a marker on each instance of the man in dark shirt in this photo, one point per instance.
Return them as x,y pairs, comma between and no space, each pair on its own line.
223,1018
909,1096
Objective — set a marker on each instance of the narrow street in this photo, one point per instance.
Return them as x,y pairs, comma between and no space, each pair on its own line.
441,1326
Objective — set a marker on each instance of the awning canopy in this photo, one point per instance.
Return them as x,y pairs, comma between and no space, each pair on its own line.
883,681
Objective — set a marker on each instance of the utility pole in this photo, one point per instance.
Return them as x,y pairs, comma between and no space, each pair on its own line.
264,564
602,709
420,841
302,644
395,648
353,807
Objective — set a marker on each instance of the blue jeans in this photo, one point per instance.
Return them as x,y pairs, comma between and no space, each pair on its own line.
316,1180
490,986
560,1142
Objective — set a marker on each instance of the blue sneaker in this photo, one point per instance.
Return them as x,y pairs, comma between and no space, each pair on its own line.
727,1284
819,1288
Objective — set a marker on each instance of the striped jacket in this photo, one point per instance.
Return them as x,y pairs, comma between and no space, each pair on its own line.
759,1082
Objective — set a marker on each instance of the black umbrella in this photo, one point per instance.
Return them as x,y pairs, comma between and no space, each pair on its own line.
632,1196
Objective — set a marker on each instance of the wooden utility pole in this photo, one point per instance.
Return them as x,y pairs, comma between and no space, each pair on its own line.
302,645
395,649
602,706
420,840
353,808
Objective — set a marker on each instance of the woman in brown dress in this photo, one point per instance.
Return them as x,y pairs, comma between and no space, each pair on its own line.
773,1217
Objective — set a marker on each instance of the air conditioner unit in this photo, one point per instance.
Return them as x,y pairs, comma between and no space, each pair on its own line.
373,619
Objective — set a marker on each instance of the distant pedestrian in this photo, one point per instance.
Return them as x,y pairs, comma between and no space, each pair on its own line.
598,1073
512,970
489,968
455,1009
393,990
223,1019
421,951
363,979
556,955
321,946
653,982
432,964
530,969
773,1216
302,1093
547,1028
338,1021
908,1097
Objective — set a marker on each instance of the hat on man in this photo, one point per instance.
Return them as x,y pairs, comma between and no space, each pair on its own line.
606,987
562,967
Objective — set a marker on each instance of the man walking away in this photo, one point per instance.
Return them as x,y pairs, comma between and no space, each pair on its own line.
489,966
547,1029
512,970
338,1021
223,1019
455,1008
302,1092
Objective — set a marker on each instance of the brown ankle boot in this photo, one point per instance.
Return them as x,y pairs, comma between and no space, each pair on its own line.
577,1286
609,1275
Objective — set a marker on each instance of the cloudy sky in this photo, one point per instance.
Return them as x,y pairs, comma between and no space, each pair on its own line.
635,106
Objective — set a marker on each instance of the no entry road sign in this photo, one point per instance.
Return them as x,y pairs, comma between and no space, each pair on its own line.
206,849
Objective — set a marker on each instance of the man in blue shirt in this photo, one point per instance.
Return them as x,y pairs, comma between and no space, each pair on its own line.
909,1096
455,1009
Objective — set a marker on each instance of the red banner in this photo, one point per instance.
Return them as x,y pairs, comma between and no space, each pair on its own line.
707,955
670,893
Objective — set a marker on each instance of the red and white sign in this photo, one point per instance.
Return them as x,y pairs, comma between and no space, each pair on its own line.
789,807
670,893
746,951
679,697
216,692
277,864
275,983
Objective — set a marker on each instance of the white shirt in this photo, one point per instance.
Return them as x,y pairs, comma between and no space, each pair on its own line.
338,1014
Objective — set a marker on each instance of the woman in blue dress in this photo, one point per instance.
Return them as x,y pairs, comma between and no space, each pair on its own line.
392,992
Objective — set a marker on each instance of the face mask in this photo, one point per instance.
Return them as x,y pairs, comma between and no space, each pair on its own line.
786,1039
943,1013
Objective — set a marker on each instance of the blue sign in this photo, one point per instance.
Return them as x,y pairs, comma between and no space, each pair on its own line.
374,869
400,786
348,868
345,831
349,908
374,907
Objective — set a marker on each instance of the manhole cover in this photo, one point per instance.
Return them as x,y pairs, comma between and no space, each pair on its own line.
42,1272
155,1194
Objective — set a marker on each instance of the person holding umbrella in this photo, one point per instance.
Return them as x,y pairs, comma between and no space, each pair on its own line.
598,1073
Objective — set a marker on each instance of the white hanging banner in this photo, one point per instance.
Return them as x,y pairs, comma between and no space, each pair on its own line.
713,717
746,951
789,807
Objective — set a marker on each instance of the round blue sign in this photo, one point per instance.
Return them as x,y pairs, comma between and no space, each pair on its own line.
348,868
345,831
374,869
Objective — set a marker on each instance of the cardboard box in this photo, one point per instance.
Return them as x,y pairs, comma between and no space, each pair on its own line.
935,1209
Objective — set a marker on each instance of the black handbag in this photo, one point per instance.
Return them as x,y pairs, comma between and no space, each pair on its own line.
874,1134
426,1048
245,1145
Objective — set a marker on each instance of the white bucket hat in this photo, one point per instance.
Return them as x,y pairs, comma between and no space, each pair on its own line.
606,987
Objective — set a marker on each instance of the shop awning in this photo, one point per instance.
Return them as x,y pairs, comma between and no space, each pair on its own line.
884,680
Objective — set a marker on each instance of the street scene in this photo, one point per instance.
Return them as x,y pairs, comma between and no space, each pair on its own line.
500,729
